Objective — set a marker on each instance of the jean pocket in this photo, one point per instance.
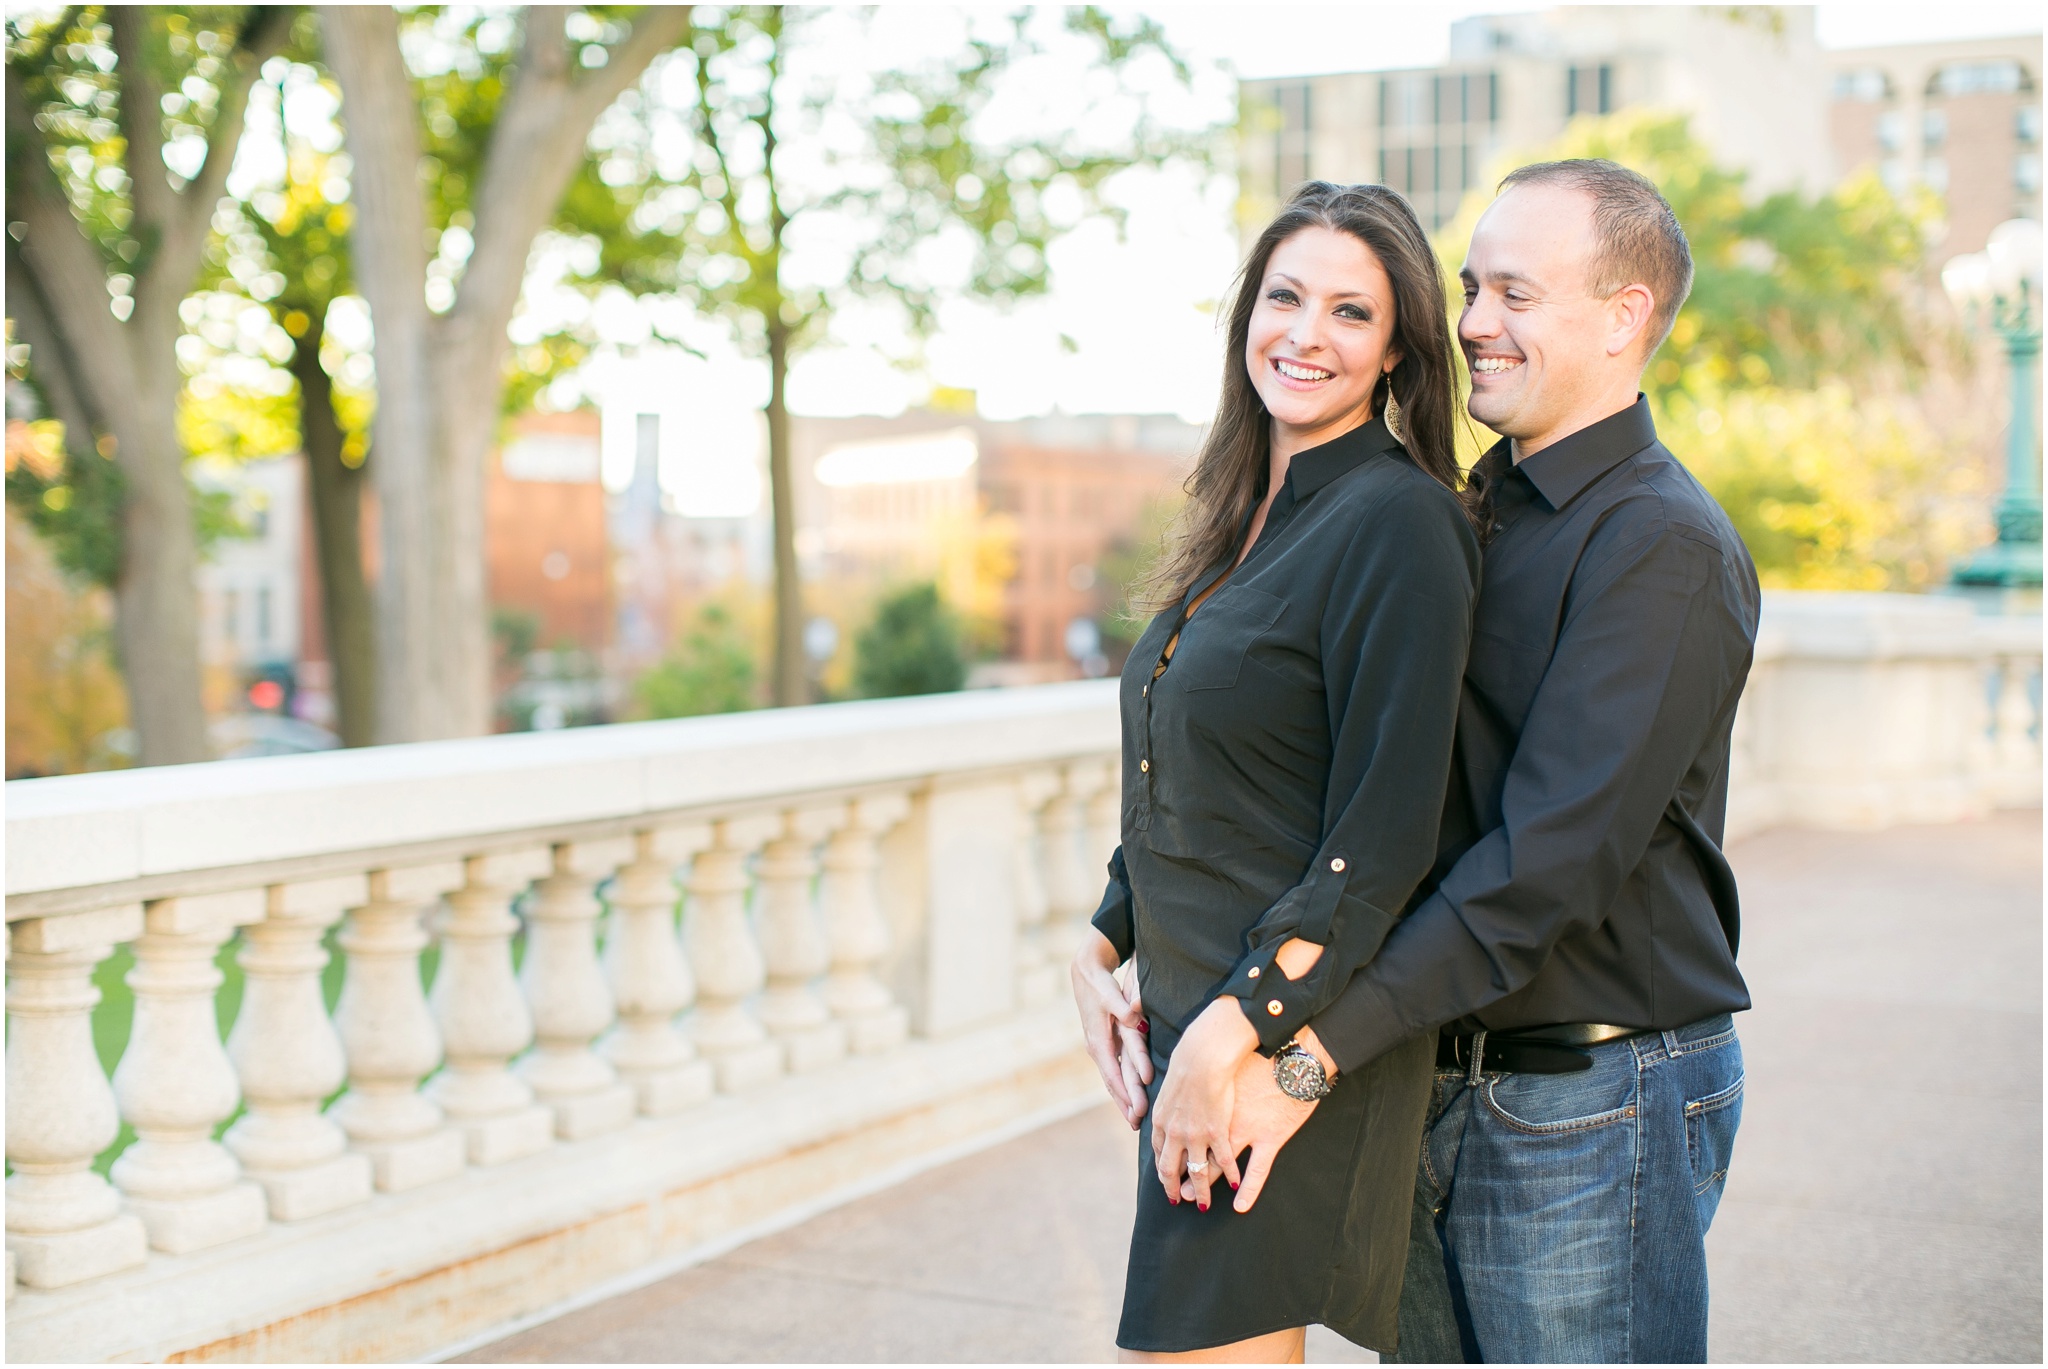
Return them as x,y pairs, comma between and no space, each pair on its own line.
1217,638
1555,1104
1710,1125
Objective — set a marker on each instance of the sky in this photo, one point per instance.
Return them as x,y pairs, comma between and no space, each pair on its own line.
1130,325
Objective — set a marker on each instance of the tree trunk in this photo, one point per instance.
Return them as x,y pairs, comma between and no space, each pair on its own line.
792,683
440,378
337,493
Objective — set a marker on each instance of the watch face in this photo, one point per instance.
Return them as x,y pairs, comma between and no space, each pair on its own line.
1300,1075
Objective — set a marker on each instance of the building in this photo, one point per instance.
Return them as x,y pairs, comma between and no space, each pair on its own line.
1752,78
545,538
1961,118
252,600
882,499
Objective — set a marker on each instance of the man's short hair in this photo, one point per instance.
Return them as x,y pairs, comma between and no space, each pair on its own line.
1640,242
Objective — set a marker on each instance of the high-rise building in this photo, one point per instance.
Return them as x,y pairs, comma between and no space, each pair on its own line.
1961,118
1752,77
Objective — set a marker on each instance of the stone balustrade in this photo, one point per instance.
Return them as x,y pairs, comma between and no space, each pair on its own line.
603,996
613,997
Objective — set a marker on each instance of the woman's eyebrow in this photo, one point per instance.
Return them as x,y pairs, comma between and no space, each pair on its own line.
1334,294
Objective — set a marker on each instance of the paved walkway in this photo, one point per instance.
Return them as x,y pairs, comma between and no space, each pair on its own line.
1884,1203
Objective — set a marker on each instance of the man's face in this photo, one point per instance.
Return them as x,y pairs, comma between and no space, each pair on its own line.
1536,341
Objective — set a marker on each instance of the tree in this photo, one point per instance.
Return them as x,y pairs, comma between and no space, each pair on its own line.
1787,288
710,671
912,647
442,346
122,123
893,163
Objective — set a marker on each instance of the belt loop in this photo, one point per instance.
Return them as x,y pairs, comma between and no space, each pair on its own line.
1478,1058
1672,1048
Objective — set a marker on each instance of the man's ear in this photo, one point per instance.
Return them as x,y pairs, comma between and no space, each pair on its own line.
1629,311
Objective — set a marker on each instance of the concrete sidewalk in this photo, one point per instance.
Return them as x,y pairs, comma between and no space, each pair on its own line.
1884,1202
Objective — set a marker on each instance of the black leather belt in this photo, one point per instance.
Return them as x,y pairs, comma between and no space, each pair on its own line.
1531,1050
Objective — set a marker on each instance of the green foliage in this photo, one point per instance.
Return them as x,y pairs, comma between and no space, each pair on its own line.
912,646
1829,489
902,166
73,503
711,670
1789,290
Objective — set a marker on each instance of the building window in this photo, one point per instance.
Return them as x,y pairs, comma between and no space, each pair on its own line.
1588,90
1934,129
2026,173
1891,130
2026,123
1864,83
263,615
1892,171
1291,143
1998,76
1934,171
230,616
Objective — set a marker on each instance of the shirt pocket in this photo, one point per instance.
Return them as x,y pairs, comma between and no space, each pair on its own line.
1216,639
1504,675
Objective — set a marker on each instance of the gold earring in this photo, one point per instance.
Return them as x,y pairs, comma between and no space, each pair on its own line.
1392,413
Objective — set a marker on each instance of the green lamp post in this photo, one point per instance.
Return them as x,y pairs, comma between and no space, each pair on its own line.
2001,286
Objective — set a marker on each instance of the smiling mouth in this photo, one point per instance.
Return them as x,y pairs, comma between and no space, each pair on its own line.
1294,370
1494,366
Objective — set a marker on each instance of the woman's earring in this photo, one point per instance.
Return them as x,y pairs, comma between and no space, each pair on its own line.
1393,413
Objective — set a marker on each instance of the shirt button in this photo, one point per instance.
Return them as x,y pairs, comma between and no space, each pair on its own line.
1337,864
1145,765
1252,973
1273,1007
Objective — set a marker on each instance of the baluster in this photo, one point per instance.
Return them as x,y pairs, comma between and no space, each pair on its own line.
289,1057
175,1082
2018,744
482,1015
388,1033
1070,884
728,963
64,1222
650,978
1105,830
572,1005
794,948
856,928
1038,973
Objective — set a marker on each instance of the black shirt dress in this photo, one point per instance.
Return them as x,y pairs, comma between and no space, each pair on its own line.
1283,776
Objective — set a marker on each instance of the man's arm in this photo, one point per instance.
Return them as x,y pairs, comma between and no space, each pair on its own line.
1646,659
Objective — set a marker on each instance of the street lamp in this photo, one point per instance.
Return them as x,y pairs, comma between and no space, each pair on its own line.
2000,286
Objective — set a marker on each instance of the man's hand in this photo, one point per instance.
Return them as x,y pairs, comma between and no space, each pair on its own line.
1191,1125
1265,1120
1110,1019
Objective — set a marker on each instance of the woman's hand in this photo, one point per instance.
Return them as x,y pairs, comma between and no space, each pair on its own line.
1192,1122
1110,1020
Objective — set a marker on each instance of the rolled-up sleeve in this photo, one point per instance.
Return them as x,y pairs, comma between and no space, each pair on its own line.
1642,669
1113,917
1394,635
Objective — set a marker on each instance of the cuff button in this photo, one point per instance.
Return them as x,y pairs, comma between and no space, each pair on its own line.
1337,864
1252,973
1273,1007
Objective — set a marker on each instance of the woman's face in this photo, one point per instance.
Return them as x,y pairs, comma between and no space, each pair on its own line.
1322,333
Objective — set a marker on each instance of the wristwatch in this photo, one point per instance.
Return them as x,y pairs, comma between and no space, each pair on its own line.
1299,1074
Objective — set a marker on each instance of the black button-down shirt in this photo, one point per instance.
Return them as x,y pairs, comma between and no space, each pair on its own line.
1580,877
1284,772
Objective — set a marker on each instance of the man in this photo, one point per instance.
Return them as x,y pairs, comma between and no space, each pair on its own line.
1578,950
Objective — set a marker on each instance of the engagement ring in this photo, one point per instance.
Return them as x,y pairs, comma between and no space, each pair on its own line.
1196,1167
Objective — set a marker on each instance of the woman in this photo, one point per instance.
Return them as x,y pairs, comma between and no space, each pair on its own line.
1287,722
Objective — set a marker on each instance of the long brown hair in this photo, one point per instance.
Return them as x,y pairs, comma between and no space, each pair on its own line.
1230,474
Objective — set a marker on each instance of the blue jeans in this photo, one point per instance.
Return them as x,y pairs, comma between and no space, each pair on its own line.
1562,1217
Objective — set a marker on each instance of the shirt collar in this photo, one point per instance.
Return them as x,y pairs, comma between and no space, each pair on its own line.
1571,463
1309,471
